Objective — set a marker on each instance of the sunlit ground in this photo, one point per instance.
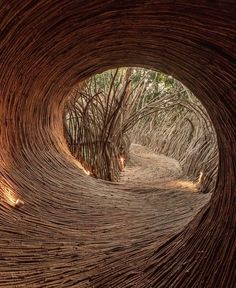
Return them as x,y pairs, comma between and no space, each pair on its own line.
186,185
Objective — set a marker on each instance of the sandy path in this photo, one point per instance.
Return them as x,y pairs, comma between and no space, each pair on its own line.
149,169
145,166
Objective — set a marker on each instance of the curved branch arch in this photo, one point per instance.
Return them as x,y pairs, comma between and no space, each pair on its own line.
46,47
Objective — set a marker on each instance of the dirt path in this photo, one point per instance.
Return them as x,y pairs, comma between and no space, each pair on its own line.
145,166
149,169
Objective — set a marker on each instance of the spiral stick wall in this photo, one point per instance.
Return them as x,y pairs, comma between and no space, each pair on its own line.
75,231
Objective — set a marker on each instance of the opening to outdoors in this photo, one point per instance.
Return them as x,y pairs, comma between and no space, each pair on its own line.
141,127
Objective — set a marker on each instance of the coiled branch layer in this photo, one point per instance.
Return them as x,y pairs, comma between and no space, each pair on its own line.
74,231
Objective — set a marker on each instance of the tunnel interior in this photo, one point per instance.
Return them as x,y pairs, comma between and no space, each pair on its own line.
109,114
76,231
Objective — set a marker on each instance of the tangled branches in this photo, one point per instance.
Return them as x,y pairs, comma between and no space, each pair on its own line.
183,131
94,117
110,110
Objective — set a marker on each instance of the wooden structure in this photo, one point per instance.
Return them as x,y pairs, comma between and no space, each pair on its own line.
74,231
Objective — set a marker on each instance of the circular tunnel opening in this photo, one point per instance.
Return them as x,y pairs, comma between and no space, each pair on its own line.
131,112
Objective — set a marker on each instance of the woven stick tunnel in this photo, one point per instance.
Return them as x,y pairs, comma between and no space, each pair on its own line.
75,231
